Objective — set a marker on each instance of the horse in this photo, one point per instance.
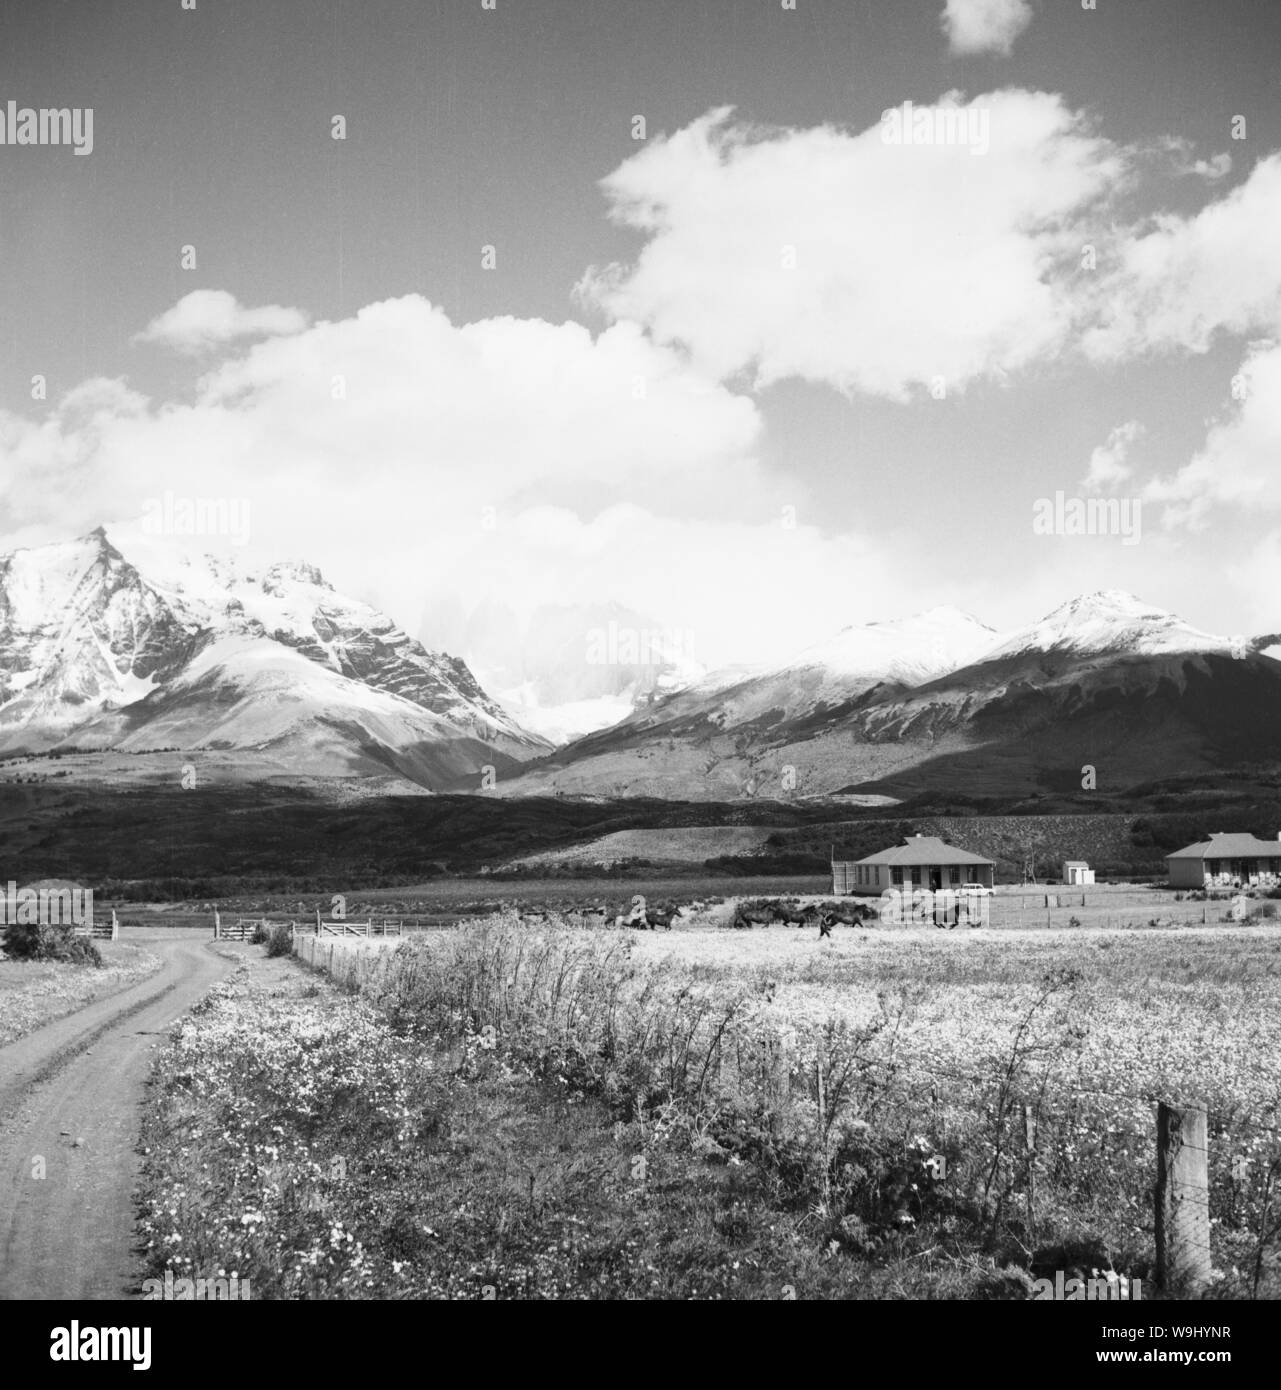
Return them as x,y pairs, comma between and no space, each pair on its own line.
659,917
848,915
794,916
753,916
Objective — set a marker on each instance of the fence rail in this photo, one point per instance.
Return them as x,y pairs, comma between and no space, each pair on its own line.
243,928
100,931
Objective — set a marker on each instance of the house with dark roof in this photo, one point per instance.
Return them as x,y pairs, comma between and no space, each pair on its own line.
921,861
1226,861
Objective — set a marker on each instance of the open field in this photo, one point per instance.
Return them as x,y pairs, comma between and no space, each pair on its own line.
33,993
447,901
692,844
845,1118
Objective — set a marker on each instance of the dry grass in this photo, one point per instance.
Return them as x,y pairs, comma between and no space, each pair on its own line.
33,993
847,1118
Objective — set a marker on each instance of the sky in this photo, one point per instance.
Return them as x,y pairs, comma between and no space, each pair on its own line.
655,305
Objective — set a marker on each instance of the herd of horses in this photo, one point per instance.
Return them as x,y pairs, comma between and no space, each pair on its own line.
824,915
642,917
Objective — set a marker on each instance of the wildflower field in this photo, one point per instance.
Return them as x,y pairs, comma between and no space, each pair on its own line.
502,1111
33,993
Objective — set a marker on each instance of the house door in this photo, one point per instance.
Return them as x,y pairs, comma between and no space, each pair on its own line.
936,879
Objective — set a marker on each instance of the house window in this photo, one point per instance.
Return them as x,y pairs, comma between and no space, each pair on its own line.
972,873
954,874
1214,866
896,875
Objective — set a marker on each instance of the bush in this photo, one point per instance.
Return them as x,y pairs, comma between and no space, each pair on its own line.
260,935
24,941
280,941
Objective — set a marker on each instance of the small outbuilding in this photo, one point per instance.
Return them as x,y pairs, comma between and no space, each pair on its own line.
1226,861
921,861
1077,873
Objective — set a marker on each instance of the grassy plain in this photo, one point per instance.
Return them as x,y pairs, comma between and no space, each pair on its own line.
33,993
551,1113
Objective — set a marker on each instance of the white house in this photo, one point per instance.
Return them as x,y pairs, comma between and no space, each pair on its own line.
921,861
1227,861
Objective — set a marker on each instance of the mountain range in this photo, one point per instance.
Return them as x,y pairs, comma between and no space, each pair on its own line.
1103,693
165,648
126,646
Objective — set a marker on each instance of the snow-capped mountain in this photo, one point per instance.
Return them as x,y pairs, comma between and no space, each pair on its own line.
135,645
902,653
939,700
1110,620
907,651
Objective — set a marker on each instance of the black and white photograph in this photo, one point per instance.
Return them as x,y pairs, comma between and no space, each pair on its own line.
640,660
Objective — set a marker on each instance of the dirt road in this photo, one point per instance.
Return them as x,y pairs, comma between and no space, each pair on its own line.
69,1106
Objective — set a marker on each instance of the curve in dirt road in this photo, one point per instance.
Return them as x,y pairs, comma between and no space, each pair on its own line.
69,1105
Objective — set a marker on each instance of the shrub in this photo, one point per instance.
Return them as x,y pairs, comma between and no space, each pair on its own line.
24,941
280,941
260,935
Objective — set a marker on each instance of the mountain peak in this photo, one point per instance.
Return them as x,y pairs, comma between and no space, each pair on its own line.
1110,601
911,650
298,571
158,644
1110,620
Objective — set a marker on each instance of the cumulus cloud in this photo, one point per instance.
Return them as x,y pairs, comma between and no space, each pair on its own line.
207,319
866,265
1180,281
1108,468
432,466
985,26
1237,466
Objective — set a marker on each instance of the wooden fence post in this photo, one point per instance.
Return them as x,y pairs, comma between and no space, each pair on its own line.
1182,1197
217,924
819,1067
1029,1138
